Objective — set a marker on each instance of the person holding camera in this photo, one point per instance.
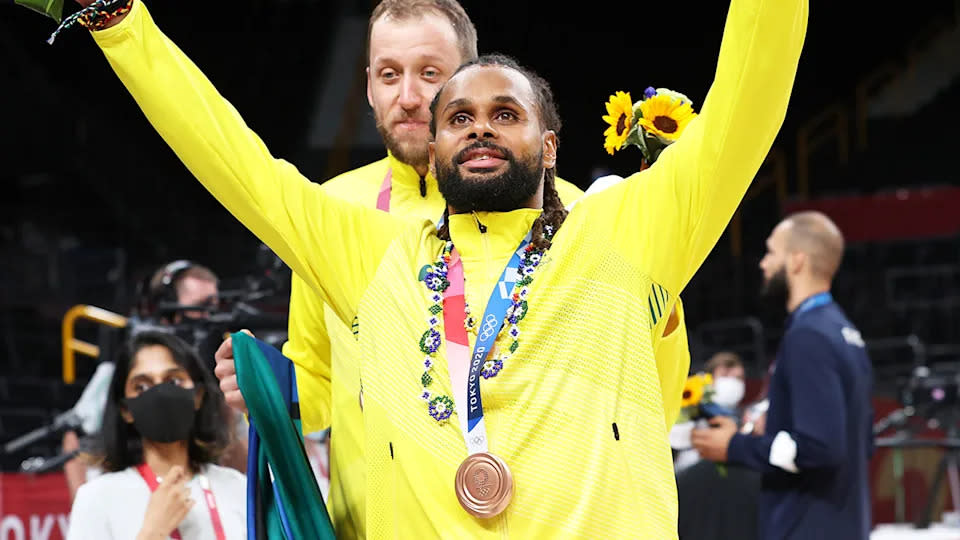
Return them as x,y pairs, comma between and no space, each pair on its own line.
818,438
179,284
162,432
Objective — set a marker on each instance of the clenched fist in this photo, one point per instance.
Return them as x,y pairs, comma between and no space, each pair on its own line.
226,372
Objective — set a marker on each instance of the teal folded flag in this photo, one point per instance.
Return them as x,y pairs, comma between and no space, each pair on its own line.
286,505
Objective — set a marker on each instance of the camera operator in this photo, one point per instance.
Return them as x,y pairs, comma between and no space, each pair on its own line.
180,283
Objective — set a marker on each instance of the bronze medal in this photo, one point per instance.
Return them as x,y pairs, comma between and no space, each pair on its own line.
484,485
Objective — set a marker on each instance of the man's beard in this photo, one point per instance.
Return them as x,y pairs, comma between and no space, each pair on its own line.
776,290
410,151
509,190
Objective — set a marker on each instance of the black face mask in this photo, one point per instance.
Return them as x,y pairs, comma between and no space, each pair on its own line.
164,413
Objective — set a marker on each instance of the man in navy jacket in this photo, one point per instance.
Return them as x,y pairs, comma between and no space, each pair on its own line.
818,436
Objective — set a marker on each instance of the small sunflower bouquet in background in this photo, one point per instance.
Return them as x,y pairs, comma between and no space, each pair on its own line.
697,395
697,392
651,124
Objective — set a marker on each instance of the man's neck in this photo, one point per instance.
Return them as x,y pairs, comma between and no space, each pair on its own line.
161,457
799,293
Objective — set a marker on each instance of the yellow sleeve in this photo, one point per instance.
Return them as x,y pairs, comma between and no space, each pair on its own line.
318,236
667,218
308,346
569,193
672,354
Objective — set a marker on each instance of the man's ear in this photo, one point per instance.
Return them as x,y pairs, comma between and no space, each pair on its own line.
369,90
432,153
796,261
550,143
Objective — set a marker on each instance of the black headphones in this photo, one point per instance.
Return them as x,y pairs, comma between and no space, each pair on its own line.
162,290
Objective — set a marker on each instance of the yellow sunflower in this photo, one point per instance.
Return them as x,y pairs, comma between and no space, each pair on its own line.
693,389
620,117
666,116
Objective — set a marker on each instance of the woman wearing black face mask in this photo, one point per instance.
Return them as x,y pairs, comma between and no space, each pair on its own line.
162,431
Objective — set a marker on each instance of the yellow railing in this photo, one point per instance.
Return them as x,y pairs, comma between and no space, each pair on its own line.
71,345
833,122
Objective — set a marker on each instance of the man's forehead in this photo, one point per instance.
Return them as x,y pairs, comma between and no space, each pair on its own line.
191,283
478,84
423,35
782,230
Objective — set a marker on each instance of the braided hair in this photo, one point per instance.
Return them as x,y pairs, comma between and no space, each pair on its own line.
553,210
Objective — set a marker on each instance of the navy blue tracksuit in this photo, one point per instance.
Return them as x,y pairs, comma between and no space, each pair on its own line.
819,394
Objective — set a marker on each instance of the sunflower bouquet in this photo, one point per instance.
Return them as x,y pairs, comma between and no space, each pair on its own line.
697,392
651,124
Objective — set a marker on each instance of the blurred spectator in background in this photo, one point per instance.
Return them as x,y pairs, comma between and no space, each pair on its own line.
729,379
716,504
178,283
819,427
162,431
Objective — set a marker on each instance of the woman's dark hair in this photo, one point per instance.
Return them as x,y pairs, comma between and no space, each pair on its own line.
118,445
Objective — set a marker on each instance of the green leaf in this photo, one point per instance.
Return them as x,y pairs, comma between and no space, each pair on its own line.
634,136
50,8
426,379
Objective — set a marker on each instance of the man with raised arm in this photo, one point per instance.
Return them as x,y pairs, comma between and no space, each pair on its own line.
492,347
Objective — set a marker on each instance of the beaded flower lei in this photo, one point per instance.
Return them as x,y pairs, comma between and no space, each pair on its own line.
439,406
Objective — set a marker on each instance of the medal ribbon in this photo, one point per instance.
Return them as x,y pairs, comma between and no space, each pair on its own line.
151,479
465,368
383,198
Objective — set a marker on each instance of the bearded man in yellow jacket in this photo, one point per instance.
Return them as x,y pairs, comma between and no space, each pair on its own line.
411,53
567,437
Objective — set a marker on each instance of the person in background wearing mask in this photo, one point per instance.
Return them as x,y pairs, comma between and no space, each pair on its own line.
729,379
819,428
717,504
162,432
728,386
178,283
